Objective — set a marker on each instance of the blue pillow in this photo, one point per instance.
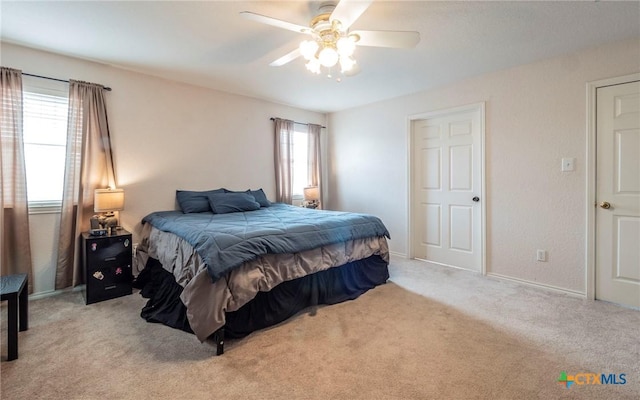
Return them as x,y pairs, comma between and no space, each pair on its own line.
195,202
222,203
259,195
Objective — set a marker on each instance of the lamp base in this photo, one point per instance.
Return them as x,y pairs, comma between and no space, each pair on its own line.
313,204
106,221
110,222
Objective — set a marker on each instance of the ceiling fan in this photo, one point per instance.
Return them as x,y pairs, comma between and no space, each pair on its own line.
331,42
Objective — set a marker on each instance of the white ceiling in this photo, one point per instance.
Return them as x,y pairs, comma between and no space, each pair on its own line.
208,43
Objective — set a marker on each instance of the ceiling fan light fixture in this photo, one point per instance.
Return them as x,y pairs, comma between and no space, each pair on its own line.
313,65
347,63
328,57
308,49
346,46
331,42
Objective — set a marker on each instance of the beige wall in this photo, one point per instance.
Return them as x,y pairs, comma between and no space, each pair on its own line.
165,136
535,115
168,135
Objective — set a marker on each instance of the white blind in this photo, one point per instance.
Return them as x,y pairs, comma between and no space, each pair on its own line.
300,163
45,119
45,138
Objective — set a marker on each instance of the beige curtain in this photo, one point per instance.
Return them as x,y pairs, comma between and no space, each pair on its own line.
313,156
89,165
15,248
283,159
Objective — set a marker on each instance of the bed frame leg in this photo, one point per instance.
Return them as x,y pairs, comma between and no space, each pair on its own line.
218,337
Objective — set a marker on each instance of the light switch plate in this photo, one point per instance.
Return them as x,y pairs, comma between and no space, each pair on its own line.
541,255
568,164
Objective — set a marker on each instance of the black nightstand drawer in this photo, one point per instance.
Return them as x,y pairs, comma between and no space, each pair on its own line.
108,249
108,282
107,265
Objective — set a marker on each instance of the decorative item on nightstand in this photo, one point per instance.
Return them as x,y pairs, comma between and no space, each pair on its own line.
106,201
311,197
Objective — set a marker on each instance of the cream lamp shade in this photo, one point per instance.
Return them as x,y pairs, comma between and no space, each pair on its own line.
311,193
106,200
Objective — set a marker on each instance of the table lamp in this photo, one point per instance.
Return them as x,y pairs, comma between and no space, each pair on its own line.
107,201
311,197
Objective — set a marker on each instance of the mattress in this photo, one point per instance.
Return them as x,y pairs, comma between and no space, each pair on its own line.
225,241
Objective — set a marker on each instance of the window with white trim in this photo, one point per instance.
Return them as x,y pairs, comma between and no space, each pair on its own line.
45,107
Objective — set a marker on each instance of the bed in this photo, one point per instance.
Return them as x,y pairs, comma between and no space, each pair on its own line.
234,268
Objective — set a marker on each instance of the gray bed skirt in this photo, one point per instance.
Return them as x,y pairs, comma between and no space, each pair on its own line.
330,286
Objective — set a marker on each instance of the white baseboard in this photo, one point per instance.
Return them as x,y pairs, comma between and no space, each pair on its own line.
508,278
448,265
50,293
538,285
396,254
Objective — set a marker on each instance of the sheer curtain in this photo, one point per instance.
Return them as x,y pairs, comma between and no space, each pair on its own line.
89,165
283,159
313,156
15,248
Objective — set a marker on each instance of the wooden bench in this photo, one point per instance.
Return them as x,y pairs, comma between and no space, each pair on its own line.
14,289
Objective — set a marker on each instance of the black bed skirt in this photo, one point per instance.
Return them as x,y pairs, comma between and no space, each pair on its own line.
330,286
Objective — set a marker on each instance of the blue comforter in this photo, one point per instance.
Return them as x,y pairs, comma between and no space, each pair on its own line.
225,241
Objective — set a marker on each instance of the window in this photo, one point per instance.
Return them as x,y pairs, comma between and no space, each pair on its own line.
45,107
300,164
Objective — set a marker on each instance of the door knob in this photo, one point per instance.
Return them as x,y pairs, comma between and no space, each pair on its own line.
476,199
605,204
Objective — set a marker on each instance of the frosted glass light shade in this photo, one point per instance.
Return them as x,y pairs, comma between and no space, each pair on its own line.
347,63
328,57
346,46
105,200
308,49
314,65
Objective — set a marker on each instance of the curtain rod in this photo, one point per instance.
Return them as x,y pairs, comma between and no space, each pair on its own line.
108,89
299,123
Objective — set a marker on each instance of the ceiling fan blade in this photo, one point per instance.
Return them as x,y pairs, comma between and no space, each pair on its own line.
286,58
395,39
275,22
348,11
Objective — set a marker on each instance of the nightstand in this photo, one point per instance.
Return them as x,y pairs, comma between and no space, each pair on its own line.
106,262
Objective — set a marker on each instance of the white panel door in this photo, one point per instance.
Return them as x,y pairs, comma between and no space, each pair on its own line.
618,194
447,178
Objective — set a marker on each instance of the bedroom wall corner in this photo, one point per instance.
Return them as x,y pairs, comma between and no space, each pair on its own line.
535,116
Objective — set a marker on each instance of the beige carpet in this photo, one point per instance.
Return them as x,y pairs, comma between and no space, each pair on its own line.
432,333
